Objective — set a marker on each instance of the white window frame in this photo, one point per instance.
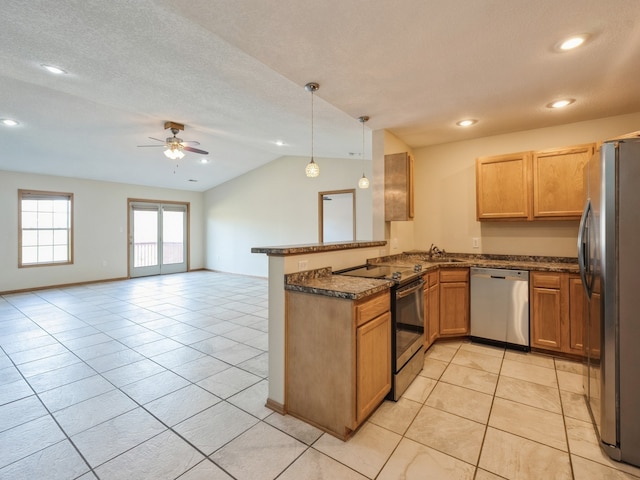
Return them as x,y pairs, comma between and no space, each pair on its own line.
50,229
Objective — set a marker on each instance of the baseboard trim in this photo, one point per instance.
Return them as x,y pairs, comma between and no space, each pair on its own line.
276,406
63,285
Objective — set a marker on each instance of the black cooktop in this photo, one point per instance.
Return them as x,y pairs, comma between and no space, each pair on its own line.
400,275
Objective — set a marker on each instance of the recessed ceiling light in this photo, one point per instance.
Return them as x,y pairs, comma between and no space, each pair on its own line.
193,180
561,103
280,143
466,123
9,122
573,42
204,160
53,69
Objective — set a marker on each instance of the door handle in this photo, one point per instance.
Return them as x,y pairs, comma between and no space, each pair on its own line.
583,248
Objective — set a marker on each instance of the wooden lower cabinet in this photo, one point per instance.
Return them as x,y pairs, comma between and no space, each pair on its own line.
337,359
454,302
431,308
558,312
547,310
373,364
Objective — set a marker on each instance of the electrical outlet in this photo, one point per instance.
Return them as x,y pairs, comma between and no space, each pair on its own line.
475,242
303,265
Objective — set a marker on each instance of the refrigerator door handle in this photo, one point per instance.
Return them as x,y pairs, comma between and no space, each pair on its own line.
583,249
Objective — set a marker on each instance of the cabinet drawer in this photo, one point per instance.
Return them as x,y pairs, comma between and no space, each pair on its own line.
454,275
373,307
545,280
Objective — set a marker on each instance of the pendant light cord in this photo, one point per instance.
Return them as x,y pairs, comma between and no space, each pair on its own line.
363,148
312,125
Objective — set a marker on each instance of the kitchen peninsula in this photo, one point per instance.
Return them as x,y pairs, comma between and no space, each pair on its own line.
289,259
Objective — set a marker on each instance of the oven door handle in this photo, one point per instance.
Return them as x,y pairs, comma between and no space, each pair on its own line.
405,292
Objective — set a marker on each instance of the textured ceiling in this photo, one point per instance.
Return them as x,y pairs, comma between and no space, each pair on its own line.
233,71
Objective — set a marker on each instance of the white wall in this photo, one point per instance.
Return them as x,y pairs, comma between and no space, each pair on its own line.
100,229
445,191
276,205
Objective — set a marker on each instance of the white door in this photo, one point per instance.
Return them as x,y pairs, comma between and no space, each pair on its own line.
158,238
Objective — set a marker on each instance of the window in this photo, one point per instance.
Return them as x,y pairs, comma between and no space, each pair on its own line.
45,221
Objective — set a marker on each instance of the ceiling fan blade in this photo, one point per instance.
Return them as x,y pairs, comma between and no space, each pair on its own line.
192,142
195,150
157,139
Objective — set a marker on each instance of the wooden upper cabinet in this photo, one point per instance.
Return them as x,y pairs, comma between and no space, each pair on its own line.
503,187
398,187
542,185
558,181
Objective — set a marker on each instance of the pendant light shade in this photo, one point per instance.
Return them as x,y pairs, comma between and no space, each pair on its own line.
312,169
364,181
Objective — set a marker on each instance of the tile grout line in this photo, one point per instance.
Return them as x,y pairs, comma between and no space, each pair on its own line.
67,437
119,389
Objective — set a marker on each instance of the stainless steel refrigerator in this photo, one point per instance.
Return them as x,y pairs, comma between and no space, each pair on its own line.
609,258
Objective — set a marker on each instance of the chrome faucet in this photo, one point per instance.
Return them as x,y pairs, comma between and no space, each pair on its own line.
435,252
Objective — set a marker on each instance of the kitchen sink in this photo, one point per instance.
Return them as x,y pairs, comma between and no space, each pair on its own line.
449,260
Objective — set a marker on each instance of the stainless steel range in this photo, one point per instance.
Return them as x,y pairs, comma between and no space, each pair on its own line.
407,321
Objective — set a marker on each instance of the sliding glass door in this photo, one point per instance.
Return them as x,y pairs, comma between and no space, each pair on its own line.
158,238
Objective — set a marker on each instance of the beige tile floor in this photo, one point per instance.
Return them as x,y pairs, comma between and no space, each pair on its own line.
166,378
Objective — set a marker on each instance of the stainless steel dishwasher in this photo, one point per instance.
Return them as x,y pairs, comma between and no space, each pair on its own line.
500,307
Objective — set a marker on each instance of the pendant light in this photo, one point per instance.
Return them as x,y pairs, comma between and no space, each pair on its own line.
364,181
312,169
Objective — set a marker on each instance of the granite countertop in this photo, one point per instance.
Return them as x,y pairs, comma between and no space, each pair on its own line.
510,262
323,282
285,250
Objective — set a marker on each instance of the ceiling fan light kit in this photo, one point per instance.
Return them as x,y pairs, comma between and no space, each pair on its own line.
174,146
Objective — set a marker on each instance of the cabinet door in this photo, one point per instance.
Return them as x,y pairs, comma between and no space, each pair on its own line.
398,187
558,181
427,340
546,331
454,308
373,364
577,317
431,308
434,313
503,187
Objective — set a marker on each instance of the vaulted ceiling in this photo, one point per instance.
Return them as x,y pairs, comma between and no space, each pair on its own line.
233,71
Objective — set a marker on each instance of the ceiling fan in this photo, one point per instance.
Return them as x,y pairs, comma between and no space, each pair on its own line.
174,145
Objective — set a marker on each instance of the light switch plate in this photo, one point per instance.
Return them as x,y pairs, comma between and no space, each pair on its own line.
475,242
303,265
